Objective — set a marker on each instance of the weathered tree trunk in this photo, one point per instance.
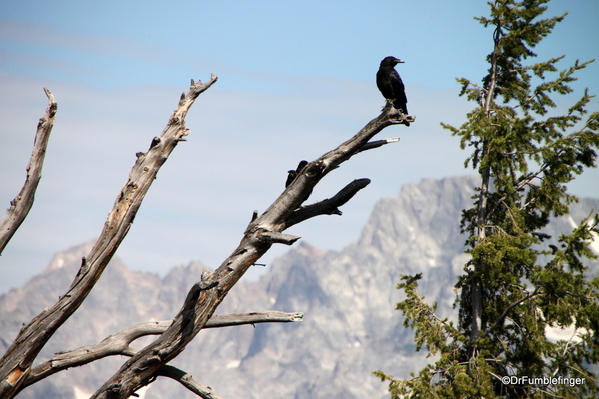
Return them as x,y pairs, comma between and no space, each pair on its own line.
20,206
118,344
146,364
16,363
204,297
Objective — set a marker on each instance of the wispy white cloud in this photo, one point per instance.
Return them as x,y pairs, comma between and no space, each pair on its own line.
47,36
236,158
116,85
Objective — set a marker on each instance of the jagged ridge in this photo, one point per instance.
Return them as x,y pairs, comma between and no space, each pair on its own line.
350,327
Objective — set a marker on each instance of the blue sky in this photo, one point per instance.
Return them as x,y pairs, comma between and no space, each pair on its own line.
295,79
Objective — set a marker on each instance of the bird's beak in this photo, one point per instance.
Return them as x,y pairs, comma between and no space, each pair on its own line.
399,61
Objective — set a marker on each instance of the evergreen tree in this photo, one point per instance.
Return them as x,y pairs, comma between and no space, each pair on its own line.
518,280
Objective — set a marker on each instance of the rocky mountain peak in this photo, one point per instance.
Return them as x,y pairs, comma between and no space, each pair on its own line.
350,327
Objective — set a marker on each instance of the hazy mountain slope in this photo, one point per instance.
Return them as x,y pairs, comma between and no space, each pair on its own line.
350,327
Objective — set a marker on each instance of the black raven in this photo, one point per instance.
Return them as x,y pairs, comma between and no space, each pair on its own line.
292,174
391,85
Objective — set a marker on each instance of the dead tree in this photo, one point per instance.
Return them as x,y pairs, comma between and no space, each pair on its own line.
20,206
144,365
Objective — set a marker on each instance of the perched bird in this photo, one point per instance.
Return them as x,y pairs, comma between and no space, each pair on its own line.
292,174
391,85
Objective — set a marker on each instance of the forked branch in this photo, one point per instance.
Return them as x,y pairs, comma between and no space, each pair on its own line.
329,206
187,381
119,344
16,363
206,295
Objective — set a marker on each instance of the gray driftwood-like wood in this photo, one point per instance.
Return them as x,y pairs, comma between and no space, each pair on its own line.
16,363
145,365
260,234
187,381
20,206
329,206
119,344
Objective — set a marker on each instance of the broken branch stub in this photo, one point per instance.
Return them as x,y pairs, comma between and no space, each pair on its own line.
16,363
201,302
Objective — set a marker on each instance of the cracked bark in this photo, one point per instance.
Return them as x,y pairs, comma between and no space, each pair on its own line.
204,297
119,344
16,363
21,205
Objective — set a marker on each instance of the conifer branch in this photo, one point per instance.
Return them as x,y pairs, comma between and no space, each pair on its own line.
507,218
536,292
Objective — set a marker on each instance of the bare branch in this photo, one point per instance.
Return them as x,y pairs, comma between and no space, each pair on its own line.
278,238
21,205
402,118
328,206
237,319
15,365
187,381
201,301
118,344
378,143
